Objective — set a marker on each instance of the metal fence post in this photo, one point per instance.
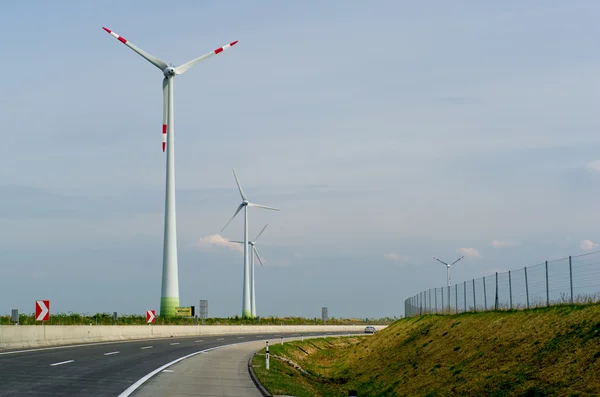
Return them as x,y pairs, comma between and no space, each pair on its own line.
429,300
417,305
465,294
496,298
484,296
442,294
456,296
571,277
474,301
510,289
526,287
547,290
435,297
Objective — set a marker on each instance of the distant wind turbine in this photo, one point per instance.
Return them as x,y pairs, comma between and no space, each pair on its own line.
448,266
246,308
252,283
170,284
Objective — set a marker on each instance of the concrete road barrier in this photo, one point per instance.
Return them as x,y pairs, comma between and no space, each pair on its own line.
31,336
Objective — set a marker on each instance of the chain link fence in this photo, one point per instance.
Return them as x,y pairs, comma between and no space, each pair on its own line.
571,280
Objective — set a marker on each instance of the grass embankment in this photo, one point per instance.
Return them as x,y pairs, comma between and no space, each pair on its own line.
128,319
540,352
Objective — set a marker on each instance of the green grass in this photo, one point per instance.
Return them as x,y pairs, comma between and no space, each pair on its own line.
127,319
540,352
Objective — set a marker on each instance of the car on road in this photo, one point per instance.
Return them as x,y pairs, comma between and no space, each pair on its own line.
370,329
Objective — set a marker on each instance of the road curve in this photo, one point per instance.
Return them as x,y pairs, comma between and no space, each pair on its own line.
101,369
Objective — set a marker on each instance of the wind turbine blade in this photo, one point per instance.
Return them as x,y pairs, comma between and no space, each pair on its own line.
239,242
262,206
236,212
239,186
440,261
456,260
165,112
261,232
258,256
152,59
183,68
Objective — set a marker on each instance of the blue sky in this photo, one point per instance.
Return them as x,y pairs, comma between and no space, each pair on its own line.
386,132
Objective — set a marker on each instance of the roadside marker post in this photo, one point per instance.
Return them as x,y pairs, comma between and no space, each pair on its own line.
282,340
267,356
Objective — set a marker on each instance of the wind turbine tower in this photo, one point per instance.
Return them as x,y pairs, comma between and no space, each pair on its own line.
253,251
246,307
170,282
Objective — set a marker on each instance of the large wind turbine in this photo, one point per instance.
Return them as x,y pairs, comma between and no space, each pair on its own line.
252,283
170,283
246,308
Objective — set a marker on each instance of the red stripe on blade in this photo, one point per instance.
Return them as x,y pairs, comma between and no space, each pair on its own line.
164,128
233,43
164,144
218,50
122,40
108,30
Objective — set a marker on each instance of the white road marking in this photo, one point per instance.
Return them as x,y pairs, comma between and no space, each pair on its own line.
61,363
174,343
221,339
259,336
146,347
108,354
198,341
168,370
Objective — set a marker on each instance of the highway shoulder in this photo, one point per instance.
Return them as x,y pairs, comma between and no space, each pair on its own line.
218,372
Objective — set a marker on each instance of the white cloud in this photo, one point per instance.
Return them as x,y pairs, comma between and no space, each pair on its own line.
216,240
392,256
501,244
587,245
593,166
469,252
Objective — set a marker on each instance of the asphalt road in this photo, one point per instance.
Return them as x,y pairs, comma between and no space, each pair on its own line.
105,369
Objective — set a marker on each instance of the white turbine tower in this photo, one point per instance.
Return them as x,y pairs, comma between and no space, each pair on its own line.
170,283
246,308
252,282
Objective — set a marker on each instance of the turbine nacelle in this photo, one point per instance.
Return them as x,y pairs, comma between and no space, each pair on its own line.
169,71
